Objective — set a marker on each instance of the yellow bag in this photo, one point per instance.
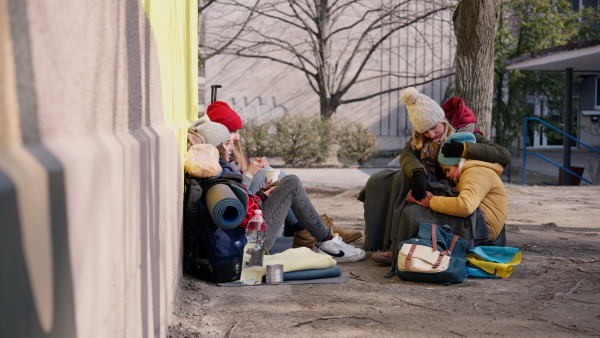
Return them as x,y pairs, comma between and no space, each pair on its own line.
202,160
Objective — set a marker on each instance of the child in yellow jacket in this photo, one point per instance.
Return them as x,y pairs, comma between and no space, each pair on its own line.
479,185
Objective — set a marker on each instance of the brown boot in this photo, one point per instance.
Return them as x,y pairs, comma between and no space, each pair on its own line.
385,257
303,238
347,236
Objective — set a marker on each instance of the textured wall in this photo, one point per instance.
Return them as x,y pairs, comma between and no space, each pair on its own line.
95,99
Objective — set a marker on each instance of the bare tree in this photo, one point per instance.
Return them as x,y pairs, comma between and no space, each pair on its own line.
333,42
202,58
203,5
475,23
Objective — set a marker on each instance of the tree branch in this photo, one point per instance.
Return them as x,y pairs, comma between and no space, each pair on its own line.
363,98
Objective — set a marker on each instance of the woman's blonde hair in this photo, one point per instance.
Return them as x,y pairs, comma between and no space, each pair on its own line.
418,139
223,153
239,155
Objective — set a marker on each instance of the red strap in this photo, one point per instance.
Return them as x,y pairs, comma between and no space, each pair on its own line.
451,248
409,257
452,245
433,238
445,253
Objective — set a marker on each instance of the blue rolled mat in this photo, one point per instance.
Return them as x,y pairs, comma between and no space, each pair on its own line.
312,274
224,206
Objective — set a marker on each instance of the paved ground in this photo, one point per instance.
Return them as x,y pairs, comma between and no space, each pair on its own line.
554,292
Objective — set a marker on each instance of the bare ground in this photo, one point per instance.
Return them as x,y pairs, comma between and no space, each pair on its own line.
554,292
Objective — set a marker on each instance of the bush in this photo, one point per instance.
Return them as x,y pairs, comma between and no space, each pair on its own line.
301,140
257,139
357,143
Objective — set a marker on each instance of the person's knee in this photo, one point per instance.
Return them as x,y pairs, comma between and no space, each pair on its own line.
292,178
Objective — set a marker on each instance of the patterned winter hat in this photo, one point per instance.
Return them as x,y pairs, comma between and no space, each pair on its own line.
458,137
423,112
214,133
220,112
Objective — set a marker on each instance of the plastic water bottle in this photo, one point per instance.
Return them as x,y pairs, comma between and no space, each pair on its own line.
254,251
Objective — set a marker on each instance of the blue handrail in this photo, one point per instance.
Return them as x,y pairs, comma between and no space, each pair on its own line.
525,152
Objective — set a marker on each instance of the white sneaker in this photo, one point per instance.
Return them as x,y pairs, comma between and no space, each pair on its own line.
340,251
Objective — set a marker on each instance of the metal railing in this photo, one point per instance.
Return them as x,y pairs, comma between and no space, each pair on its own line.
525,152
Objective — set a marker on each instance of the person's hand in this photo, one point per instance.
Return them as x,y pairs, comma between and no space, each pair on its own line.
425,202
410,198
419,185
253,167
453,149
262,162
267,189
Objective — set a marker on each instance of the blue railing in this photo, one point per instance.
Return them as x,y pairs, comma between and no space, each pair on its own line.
525,152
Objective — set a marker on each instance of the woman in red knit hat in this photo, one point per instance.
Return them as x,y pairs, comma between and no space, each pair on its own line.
275,201
254,172
220,112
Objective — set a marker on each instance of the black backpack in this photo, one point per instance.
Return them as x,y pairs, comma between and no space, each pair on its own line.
210,252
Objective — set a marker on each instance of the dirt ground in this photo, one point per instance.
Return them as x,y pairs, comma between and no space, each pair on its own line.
554,292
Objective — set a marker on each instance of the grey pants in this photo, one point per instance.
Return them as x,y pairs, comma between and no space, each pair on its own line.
258,181
291,194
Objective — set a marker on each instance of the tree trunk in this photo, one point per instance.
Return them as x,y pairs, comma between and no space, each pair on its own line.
475,23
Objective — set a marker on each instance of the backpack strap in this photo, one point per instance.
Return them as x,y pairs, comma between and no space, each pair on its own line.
445,252
435,247
452,244
434,238
409,257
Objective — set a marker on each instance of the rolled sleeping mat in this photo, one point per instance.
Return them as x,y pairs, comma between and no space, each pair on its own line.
224,206
312,274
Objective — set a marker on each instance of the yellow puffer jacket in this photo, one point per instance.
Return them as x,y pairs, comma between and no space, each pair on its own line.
479,185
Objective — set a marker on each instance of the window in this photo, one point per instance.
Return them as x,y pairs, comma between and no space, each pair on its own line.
574,5
597,92
590,3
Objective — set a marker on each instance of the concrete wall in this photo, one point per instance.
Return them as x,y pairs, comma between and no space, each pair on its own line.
95,100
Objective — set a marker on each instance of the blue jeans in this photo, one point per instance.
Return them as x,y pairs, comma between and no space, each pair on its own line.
291,194
258,181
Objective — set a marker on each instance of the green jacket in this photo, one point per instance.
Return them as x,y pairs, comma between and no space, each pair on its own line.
484,150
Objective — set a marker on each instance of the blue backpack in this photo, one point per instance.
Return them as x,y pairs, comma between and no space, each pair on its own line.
435,255
210,252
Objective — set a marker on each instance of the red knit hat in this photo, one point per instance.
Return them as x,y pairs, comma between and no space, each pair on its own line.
220,112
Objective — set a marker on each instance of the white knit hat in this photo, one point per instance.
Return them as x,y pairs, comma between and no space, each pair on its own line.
214,133
423,112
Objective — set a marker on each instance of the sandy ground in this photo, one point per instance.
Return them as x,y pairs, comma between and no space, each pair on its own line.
554,292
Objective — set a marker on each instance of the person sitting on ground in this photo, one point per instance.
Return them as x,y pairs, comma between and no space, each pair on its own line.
275,201
385,191
254,173
479,185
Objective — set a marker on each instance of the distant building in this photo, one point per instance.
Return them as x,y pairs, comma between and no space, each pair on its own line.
417,54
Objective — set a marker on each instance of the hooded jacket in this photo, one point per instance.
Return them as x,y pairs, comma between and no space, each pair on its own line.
479,186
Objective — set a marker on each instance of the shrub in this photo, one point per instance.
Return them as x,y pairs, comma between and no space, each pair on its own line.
257,139
357,143
301,140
